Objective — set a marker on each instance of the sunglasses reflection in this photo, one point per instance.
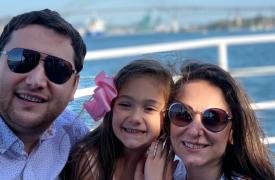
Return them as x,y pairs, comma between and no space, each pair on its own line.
213,119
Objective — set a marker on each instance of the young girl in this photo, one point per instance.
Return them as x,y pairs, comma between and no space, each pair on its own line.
214,130
135,120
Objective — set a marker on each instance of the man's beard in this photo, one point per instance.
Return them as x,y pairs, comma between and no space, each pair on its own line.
34,128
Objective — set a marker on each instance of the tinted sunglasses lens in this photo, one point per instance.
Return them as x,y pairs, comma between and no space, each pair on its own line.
178,115
214,119
22,60
58,70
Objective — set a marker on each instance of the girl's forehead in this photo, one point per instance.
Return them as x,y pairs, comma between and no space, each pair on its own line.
149,78
141,88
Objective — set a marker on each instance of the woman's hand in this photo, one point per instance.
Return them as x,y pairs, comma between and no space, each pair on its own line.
139,173
152,168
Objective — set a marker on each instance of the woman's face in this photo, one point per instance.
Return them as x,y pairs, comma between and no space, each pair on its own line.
194,144
138,113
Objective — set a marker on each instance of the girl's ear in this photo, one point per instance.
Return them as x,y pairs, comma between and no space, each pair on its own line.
230,139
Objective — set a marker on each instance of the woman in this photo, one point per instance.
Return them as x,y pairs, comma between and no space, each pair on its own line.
214,130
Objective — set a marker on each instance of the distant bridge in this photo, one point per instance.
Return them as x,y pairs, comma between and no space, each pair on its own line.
185,9
177,13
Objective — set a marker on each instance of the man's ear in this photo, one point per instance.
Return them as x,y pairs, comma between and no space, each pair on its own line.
75,87
230,139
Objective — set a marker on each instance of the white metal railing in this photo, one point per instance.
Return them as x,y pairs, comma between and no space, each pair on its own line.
221,42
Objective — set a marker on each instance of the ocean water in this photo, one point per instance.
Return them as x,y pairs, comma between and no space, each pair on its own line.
261,88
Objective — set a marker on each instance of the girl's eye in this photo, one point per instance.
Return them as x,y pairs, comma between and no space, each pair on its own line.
149,109
124,105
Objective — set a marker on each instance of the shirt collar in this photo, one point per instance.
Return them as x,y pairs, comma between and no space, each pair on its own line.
49,133
7,137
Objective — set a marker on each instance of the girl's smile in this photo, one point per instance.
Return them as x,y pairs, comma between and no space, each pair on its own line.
134,131
138,113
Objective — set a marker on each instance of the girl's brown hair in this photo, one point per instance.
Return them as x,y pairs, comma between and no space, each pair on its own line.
101,144
247,156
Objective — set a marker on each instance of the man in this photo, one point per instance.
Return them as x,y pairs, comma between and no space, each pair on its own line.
41,57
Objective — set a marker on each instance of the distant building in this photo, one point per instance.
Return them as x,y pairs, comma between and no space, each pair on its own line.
96,27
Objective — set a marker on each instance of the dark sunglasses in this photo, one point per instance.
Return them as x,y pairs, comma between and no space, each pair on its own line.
213,119
22,60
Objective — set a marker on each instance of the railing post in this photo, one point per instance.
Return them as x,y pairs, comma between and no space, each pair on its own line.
223,56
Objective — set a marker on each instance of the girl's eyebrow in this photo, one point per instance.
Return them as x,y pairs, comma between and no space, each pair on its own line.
152,101
126,96
133,99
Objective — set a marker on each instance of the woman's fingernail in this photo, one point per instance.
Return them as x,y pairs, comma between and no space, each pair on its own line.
154,140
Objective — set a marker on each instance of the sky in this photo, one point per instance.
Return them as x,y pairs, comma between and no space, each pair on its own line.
69,9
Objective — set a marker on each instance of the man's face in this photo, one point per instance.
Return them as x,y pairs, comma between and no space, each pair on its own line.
27,117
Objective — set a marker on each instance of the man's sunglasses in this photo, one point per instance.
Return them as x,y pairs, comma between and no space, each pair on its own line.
213,119
22,60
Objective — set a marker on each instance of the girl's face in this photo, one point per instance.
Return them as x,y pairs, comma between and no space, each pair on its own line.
194,144
138,112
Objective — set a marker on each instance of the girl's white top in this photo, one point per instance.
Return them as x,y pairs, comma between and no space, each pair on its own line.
180,173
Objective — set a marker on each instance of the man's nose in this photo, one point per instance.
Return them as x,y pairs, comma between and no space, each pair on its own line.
36,78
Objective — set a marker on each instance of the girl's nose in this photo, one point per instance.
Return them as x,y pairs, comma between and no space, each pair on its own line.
136,116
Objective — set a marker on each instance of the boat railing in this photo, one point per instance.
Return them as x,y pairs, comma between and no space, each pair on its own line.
221,43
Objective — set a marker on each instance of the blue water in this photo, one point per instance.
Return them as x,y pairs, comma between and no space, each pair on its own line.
259,88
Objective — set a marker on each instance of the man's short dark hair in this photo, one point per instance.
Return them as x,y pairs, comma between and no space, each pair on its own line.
49,19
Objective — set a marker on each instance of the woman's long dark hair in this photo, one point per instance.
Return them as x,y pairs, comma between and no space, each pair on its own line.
247,156
101,144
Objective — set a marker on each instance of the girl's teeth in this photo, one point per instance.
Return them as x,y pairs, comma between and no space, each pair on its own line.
194,146
133,131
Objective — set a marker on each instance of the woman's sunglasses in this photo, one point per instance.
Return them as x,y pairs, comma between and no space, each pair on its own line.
22,60
213,119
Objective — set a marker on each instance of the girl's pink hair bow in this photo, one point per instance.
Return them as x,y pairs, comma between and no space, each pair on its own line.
102,97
